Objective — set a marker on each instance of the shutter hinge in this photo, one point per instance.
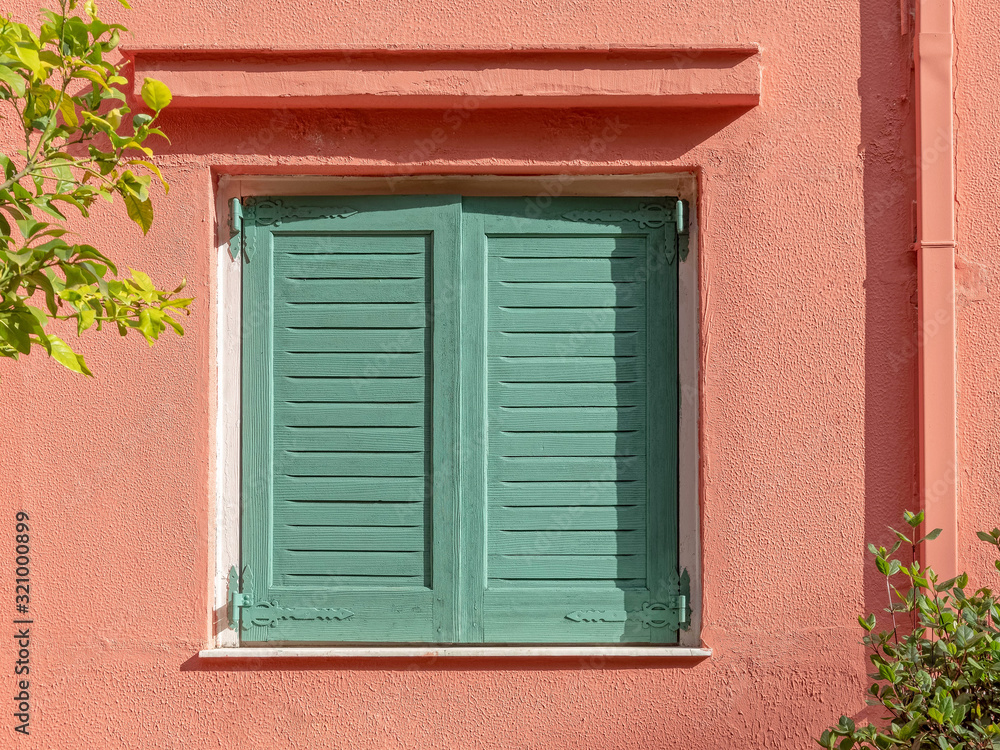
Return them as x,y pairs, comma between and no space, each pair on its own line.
237,239
680,604
681,209
237,599
244,612
671,611
679,586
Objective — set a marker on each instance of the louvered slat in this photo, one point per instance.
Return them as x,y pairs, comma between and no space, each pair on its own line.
325,388
346,489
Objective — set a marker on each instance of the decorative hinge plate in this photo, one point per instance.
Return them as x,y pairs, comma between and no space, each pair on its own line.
672,611
275,211
245,214
647,216
245,613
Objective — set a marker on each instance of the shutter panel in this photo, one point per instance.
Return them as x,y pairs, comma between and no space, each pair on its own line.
576,395
349,371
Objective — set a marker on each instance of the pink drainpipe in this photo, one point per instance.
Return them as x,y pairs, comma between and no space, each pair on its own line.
933,55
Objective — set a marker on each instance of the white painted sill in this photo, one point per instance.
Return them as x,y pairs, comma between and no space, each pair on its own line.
367,652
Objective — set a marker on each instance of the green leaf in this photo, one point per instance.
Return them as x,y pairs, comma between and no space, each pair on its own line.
98,122
12,79
76,274
154,169
30,58
178,328
68,111
15,334
45,284
142,280
87,317
147,326
931,536
141,212
155,94
59,351
986,537
908,730
94,78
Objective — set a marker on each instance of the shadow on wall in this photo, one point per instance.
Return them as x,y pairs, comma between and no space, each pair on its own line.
889,161
431,663
443,141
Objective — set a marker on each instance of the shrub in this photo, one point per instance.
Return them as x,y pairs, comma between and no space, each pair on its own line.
938,665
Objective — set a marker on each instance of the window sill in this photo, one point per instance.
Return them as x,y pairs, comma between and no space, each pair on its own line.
368,652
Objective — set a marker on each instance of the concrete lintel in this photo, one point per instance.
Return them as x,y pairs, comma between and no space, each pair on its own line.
536,78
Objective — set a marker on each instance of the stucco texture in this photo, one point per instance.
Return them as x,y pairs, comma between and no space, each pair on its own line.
977,306
808,402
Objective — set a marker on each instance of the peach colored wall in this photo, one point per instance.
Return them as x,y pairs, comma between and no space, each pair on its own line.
977,29
808,402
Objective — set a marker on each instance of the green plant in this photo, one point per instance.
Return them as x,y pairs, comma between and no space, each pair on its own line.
79,145
938,666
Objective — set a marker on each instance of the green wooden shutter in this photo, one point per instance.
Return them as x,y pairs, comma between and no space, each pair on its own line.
570,420
349,419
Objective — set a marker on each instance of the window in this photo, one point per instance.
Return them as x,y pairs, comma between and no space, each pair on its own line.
460,420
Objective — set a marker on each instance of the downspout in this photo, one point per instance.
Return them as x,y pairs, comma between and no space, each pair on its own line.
933,59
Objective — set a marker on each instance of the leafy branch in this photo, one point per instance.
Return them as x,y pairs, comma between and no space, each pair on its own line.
60,87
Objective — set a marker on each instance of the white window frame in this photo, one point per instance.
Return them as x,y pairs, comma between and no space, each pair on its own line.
226,469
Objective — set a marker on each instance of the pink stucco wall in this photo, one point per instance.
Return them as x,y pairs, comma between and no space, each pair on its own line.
977,28
808,390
